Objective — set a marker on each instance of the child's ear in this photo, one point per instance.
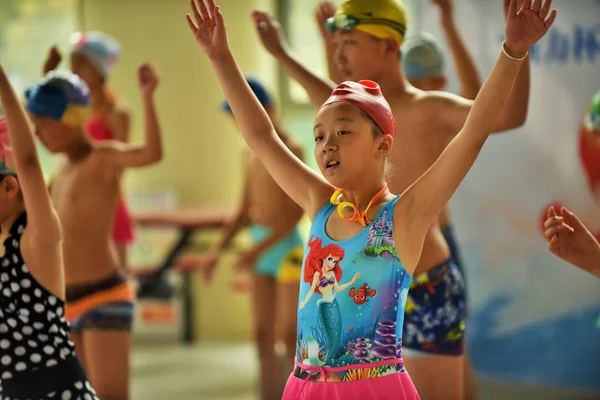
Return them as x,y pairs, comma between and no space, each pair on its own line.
11,186
385,146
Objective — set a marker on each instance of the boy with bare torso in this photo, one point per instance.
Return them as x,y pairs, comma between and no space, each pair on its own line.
85,192
93,57
365,39
275,256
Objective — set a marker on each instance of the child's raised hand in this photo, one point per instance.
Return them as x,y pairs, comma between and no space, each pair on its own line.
569,239
52,60
270,33
526,23
324,11
445,6
208,28
147,78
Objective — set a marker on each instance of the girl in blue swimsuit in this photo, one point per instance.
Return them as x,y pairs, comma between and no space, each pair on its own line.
349,342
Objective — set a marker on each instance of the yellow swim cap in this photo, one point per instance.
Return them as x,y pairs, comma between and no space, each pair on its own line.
383,19
75,116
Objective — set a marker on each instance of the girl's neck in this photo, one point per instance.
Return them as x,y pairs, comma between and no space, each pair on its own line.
97,97
361,197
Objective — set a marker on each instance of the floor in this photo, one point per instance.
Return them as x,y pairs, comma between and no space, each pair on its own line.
227,371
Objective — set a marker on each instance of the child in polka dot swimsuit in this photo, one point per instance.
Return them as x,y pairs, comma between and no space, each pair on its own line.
37,359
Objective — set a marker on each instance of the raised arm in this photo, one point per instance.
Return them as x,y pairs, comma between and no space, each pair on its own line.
121,122
43,226
463,62
424,200
123,155
455,109
52,60
324,11
301,183
270,34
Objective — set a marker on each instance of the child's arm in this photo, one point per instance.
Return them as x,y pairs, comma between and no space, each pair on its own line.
324,11
301,183
52,60
121,124
570,240
424,200
454,109
123,155
239,220
318,89
43,225
463,62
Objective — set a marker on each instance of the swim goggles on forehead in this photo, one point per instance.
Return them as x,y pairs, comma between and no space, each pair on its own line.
346,22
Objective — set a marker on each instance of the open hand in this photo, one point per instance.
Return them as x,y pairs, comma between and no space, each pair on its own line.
208,28
526,23
270,33
147,78
323,12
52,60
570,240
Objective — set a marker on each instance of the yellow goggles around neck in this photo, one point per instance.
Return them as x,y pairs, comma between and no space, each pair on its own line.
360,217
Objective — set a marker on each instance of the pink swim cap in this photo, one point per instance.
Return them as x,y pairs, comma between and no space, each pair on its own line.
367,96
7,165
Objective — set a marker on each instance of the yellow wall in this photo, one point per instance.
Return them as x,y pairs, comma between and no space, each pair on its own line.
201,145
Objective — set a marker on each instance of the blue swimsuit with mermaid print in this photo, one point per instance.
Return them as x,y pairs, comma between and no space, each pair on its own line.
351,306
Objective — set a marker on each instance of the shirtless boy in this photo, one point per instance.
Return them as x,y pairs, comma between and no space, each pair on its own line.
85,192
424,67
93,57
275,256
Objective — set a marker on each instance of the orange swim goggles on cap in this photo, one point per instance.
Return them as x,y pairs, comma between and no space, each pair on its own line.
360,217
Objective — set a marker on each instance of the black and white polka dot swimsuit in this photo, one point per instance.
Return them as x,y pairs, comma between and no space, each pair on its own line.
37,359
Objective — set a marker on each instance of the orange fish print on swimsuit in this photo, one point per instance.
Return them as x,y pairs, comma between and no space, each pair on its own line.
362,294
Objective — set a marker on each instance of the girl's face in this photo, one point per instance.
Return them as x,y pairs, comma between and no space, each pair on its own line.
81,66
345,148
330,262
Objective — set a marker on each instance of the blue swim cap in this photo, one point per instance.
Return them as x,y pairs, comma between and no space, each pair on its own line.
422,56
259,90
60,95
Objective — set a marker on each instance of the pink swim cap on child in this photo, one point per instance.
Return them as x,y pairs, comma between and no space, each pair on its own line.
367,96
7,165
